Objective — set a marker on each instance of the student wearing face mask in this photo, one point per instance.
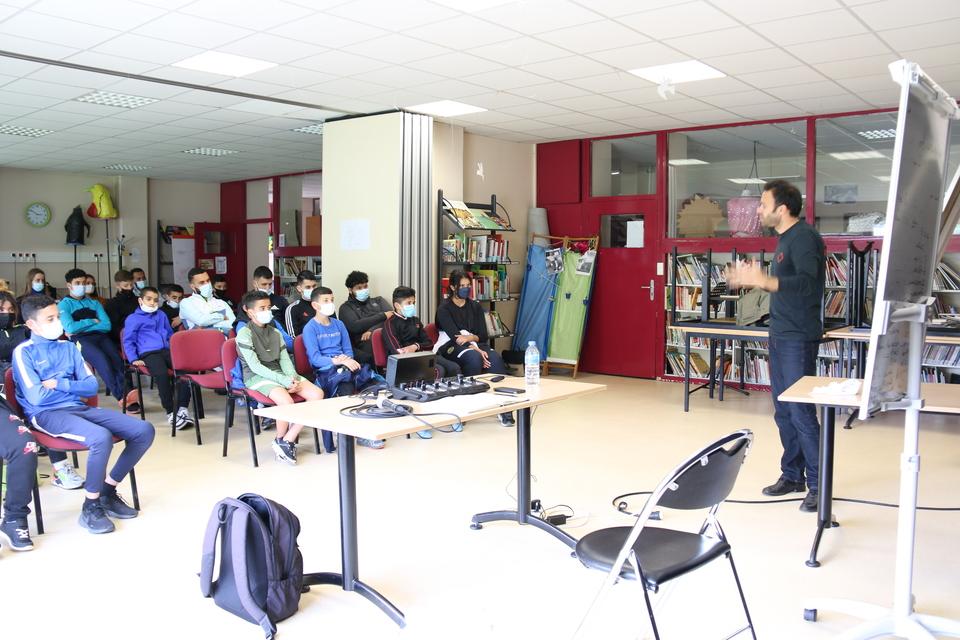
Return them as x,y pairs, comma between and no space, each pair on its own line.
36,286
86,322
268,369
362,315
298,314
90,288
52,382
404,333
123,303
172,295
139,278
220,289
331,355
146,343
203,310
263,282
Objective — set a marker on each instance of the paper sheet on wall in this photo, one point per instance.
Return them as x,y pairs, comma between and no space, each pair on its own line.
221,262
635,234
355,235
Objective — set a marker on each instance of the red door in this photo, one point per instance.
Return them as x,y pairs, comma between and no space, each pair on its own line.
623,333
222,248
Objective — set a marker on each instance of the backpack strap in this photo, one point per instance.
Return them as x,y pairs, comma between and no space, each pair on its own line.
218,518
239,520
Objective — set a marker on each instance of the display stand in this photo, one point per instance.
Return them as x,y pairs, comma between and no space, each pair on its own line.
894,364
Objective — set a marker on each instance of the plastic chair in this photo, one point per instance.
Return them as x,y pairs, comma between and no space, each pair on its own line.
379,349
53,443
194,355
657,554
137,373
301,362
433,332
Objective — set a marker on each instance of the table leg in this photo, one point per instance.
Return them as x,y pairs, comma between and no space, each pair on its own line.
721,372
825,504
686,371
349,580
522,513
712,368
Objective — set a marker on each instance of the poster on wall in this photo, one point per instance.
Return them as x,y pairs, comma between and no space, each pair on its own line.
221,262
205,263
355,235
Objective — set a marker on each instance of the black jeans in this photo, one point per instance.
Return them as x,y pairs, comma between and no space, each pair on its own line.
158,364
19,451
799,428
102,353
471,362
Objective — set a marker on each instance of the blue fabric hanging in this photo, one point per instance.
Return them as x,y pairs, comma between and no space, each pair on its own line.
536,302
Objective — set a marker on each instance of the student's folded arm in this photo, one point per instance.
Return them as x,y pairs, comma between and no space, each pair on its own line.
29,383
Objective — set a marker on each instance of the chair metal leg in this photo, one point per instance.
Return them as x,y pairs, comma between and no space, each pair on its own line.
195,392
228,421
143,412
37,508
316,441
133,489
76,461
200,402
253,442
646,598
743,600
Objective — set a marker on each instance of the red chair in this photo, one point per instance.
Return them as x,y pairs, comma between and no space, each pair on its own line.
53,443
301,362
194,355
137,373
379,350
433,332
229,359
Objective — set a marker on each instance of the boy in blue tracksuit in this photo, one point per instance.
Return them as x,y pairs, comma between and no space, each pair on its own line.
86,322
146,343
52,380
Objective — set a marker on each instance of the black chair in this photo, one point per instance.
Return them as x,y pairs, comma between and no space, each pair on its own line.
657,554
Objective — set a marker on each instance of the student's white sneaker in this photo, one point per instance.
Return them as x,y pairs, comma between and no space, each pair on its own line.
65,476
177,421
185,415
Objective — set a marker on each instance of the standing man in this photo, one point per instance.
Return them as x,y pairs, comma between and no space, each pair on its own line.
796,284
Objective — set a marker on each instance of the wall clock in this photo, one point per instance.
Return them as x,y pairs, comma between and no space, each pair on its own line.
38,214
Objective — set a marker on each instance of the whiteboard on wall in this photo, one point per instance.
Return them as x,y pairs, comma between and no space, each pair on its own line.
184,258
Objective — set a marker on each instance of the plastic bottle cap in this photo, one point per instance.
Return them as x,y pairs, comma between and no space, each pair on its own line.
531,344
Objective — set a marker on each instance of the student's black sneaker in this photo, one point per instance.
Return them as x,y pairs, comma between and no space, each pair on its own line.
285,451
94,519
506,419
810,502
115,506
266,424
16,533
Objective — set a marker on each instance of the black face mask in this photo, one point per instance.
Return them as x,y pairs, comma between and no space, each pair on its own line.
6,320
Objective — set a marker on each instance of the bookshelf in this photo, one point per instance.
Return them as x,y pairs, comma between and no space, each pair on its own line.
473,240
286,267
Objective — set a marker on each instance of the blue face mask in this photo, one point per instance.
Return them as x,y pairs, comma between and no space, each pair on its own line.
463,292
140,284
38,286
409,310
78,290
206,290
362,295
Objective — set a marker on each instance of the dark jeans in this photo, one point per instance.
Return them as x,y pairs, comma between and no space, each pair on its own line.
159,365
790,360
471,362
102,353
18,450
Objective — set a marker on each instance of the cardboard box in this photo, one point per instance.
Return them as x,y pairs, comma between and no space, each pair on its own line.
313,233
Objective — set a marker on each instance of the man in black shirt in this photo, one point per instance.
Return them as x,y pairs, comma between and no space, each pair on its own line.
298,314
796,286
363,315
263,281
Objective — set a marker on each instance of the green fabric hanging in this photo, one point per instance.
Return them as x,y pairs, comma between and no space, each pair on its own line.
569,311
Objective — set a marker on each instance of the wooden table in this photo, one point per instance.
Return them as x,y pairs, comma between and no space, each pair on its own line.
714,333
860,336
326,414
937,398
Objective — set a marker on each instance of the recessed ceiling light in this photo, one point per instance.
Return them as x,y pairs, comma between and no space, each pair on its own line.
29,132
878,134
747,180
316,129
682,162
225,64
210,151
688,71
446,108
856,155
614,173
126,167
116,99
883,178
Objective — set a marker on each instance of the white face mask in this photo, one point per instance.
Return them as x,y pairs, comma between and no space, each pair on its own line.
327,309
77,290
148,308
206,290
52,330
88,288
173,304
306,293
38,286
264,317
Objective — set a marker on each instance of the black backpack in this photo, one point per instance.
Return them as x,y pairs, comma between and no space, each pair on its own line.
261,568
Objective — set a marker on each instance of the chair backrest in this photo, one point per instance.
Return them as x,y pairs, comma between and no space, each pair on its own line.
123,352
196,350
10,393
301,360
433,332
707,477
379,349
228,359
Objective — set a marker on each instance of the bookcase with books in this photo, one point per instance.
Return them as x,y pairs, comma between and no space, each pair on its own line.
286,268
473,240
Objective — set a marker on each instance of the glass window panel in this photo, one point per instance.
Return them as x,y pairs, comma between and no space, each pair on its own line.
624,166
852,189
715,176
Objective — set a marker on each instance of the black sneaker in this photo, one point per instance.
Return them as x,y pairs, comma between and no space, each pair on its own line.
783,486
94,519
16,533
115,506
285,451
810,502
266,424
506,419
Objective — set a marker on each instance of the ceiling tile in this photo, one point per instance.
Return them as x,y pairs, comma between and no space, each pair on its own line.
504,79
570,119
6,11
25,100
828,26
451,89
264,46
880,98
720,43
674,106
462,29
495,99
249,15
197,32
394,16
709,116
247,85
138,47
330,30
638,56
877,82
712,87
604,128
348,87
537,16
524,124
859,46
588,103
339,63
486,117
534,110
549,91
891,14
769,110
557,133
188,75
395,48
856,67
740,98
36,26
401,97
519,52
621,112
933,56
809,90
594,36
12,111
754,11
615,8
752,61
397,76
639,95
781,77
652,123
617,81
678,20
31,47
455,64
290,76
47,89
567,68
114,63
87,108
830,103
146,89
111,14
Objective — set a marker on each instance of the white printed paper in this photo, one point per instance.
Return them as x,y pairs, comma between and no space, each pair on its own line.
634,234
221,262
355,235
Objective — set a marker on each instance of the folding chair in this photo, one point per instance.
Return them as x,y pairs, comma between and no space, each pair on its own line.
301,362
137,372
656,554
195,354
379,350
432,331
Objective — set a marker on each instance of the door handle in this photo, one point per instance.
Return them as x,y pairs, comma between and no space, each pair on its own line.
650,288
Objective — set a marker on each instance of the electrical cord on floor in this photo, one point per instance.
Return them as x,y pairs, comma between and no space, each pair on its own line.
622,506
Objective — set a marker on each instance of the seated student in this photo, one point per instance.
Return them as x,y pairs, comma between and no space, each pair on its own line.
263,281
172,295
203,310
139,277
36,285
298,314
331,356
52,381
146,342
90,288
220,289
85,322
404,333
464,334
362,315
18,451
123,303
268,369
12,334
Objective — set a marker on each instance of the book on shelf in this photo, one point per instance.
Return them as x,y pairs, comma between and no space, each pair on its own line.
837,270
946,278
468,218
495,324
835,304
292,266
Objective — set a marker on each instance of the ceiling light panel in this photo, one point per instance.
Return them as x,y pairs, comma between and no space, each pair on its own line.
130,168
878,134
110,99
856,155
210,151
746,181
316,129
446,108
677,72
225,64
28,132
682,162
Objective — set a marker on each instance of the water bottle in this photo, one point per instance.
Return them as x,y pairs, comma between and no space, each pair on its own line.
531,364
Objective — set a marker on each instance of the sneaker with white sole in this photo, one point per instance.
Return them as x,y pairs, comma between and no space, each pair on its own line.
285,451
183,413
65,476
506,419
16,534
372,444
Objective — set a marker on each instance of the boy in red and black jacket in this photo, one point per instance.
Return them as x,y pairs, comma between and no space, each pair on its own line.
404,333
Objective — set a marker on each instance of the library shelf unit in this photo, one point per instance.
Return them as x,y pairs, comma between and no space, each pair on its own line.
290,261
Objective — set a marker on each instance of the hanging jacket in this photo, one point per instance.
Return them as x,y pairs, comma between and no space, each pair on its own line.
39,359
74,227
